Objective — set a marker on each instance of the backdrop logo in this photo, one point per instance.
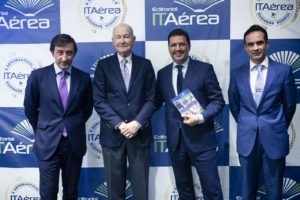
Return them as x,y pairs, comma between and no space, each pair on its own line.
290,58
164,16
15,72
275,12
173,194
290,189
93,137
198,6
22,189
94,66
103,14
102,190
25,130
160,144
28,8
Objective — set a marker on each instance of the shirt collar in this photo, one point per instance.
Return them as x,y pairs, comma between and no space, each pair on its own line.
185,64
128,58
58,70
264,63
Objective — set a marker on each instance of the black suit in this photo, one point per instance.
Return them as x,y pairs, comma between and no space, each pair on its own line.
46,114
114,105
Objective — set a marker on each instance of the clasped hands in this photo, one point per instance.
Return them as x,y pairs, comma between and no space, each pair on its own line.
129,130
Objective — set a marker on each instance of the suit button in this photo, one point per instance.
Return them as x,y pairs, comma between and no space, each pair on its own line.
126,121
128,104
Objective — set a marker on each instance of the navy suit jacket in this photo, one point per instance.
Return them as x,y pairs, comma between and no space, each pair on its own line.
272,116
114,104
45,112
201,79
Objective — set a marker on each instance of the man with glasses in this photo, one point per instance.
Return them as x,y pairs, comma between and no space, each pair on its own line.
262,100
191,138
124,91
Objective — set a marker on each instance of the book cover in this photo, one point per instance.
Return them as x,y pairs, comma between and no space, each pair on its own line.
186,103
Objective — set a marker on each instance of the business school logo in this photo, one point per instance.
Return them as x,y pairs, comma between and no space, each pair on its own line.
93,136
103,14
198,6
172,194
15,72
275,12
290,190
102,190
290,58
25,130
28,8
22,189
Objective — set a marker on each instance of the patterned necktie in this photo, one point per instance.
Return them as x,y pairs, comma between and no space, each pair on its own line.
63,89
179,78
125,72
259,84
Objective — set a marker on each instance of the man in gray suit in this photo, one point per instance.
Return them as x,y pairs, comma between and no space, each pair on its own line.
124,91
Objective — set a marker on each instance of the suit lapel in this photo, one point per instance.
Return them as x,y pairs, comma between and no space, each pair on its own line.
74,84
269,79
134,71
190,72
53,89
117,71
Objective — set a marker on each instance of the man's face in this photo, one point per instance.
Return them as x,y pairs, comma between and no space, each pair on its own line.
123,40
63,56
179,48
256,46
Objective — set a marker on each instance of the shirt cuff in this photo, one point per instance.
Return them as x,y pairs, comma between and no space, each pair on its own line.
201,118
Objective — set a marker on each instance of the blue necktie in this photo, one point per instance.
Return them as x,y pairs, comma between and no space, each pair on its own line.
125,72
259,84
179,78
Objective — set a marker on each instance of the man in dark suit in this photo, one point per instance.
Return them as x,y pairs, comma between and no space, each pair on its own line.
262,100
191,138
58,101
124,91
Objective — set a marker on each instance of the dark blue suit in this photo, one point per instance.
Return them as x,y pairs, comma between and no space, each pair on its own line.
115,105
198,141
262,135
46,114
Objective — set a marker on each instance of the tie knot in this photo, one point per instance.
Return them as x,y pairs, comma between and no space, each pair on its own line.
64,73
259,68
124,62
179,67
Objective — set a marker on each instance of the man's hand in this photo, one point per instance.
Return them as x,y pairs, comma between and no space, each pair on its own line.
129,130
190,119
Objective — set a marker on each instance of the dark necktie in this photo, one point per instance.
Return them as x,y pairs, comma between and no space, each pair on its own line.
63,89
259,84
179,78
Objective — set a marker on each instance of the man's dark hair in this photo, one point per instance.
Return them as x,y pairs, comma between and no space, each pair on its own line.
254,28
62,39
179,32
